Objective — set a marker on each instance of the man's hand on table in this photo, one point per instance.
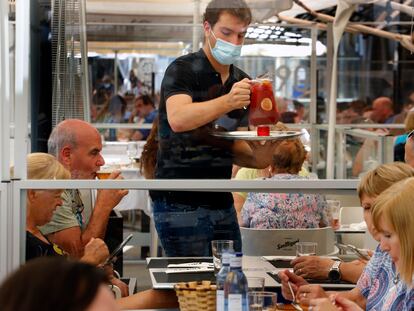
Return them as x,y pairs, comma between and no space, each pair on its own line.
312,267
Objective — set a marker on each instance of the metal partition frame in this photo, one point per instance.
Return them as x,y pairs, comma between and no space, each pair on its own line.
4,231
4,92
16,225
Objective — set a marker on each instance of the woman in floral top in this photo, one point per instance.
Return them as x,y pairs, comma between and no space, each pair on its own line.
285,210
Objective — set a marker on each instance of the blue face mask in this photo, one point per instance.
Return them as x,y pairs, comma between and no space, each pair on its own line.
225,52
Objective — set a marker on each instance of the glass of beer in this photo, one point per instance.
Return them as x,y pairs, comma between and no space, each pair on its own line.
334,208
104,172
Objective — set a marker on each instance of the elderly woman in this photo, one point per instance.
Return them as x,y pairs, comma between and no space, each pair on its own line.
285,210
40,207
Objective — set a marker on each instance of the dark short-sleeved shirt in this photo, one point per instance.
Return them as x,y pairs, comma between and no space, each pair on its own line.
37,248
196,154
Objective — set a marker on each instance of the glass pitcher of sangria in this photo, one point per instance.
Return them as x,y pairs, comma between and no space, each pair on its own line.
263,110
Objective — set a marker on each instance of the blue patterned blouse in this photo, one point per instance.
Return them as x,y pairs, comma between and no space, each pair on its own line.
284,210
379,285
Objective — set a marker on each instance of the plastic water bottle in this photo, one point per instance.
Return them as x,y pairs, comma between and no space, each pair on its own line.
235,287
221,279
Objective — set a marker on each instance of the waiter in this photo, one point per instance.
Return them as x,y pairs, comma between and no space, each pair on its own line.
202,92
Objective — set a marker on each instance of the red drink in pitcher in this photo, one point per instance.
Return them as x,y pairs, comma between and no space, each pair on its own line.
263,109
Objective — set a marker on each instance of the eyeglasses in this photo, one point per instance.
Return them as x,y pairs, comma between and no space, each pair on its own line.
410,134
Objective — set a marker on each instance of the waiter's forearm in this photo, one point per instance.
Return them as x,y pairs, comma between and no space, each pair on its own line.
184,115
244,155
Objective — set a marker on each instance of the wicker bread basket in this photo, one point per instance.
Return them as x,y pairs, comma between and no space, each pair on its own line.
195,296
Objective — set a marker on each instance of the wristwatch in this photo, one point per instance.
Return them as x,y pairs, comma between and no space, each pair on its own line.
334,274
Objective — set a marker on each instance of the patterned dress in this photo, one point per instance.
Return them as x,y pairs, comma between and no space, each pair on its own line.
284,210
382,289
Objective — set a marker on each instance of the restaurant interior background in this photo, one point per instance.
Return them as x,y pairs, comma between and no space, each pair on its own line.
53,67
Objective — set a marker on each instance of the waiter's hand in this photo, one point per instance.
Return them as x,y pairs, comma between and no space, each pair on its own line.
239,95
262,152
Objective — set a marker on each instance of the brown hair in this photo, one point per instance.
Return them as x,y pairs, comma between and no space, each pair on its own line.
146,100
395,206
149,153
51,283
237,8
289,155
382,177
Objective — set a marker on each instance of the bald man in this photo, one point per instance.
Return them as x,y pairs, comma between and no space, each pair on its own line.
382,110
77,145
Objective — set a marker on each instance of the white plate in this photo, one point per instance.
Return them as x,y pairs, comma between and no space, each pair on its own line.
252,135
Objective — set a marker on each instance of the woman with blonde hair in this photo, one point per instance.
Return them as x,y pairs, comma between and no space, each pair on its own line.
393,275
40,206
373,282
393,216
401,140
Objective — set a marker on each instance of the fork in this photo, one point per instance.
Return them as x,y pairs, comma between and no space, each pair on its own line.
295,305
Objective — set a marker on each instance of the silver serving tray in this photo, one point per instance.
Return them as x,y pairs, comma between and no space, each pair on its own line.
252,135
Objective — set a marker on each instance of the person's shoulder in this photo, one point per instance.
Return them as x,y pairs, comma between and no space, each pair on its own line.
187,59
245,173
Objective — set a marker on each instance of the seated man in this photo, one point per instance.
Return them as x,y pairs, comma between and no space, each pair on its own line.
145,113
77,146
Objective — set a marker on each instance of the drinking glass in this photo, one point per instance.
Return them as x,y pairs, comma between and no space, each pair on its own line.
132,151
262,301
255,284
306,248
218,247
334,207
104,172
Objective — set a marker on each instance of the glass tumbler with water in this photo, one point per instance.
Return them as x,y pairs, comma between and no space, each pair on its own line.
255,283
218,247
306,248
132,151
262,301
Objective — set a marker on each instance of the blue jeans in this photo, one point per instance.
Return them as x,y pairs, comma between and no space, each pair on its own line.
186,230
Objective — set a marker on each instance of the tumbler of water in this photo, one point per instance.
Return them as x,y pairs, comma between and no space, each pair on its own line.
218,247
262,301
306,248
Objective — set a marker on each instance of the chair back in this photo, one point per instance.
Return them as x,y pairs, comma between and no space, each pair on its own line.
281,242
351,214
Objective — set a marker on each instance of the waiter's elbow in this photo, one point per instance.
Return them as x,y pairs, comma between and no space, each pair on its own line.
177,125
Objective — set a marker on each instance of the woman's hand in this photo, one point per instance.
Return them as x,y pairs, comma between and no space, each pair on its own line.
322,304
333,303
307,292
295,282
312,267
